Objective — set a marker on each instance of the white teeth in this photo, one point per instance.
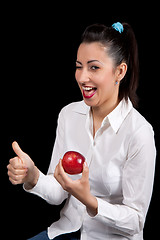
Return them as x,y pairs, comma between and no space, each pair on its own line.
87,88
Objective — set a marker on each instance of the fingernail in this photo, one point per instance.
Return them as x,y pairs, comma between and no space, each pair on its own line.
85,164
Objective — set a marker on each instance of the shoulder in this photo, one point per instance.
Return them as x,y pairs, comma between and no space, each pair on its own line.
137,122
141,131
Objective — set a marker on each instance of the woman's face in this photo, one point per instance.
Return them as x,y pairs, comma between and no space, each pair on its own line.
96,75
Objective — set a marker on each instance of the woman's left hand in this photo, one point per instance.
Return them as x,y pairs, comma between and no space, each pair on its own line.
80,188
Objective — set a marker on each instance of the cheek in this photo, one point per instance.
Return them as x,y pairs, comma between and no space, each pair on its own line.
76,75
107,81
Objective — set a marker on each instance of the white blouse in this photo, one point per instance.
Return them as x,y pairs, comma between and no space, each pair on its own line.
121,160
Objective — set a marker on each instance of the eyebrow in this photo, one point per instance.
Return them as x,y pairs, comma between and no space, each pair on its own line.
90,61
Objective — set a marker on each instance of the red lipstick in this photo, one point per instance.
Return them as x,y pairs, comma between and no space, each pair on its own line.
89,94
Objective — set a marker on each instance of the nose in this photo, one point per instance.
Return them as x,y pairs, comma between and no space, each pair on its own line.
82,76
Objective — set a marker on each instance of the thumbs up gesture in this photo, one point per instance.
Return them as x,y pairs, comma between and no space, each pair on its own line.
21,169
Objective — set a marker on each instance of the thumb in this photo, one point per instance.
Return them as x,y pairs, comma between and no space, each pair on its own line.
17,150
85,173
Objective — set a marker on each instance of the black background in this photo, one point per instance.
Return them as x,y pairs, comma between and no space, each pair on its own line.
38,45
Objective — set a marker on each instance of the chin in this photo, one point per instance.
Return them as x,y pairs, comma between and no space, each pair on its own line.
91,103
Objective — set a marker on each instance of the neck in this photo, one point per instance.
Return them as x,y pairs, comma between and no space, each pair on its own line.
100,112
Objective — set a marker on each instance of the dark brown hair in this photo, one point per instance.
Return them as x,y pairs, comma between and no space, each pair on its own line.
122,47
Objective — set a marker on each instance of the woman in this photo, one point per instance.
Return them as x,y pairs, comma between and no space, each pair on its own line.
111,198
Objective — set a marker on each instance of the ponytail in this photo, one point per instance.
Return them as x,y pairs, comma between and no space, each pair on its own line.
129,84
122,47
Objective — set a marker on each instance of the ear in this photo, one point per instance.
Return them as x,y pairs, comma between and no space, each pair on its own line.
121,71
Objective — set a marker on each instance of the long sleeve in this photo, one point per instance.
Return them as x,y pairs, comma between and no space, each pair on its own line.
47,187
121,161
137,183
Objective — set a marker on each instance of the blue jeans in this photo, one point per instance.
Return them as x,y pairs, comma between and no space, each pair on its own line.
44,236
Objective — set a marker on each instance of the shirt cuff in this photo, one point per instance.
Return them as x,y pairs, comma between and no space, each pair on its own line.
120,217
49,189
100,210
37,187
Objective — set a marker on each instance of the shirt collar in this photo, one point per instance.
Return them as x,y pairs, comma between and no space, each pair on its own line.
115,118
81,108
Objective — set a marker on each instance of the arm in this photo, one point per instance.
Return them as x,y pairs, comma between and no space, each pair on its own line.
80,188
47,187
137,183
22,169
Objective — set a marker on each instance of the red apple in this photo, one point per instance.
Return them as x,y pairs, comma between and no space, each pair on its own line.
72,162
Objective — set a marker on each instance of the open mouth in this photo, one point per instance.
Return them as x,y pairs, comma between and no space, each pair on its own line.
89,92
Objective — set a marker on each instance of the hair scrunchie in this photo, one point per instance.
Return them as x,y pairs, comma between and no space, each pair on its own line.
118,27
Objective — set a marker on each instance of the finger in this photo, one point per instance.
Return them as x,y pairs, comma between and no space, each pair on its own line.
61,169
17,178
16,171
63,174
16,162
56,172
15,182
18,150
60,175
85,172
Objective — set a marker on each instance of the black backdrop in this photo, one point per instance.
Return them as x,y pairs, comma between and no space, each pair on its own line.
39,45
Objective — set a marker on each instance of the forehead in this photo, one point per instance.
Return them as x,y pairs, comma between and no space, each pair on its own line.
90,51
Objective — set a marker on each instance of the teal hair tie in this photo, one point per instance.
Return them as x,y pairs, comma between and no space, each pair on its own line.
118,27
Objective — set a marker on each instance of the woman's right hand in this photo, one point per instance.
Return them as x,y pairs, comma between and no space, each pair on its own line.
21,169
